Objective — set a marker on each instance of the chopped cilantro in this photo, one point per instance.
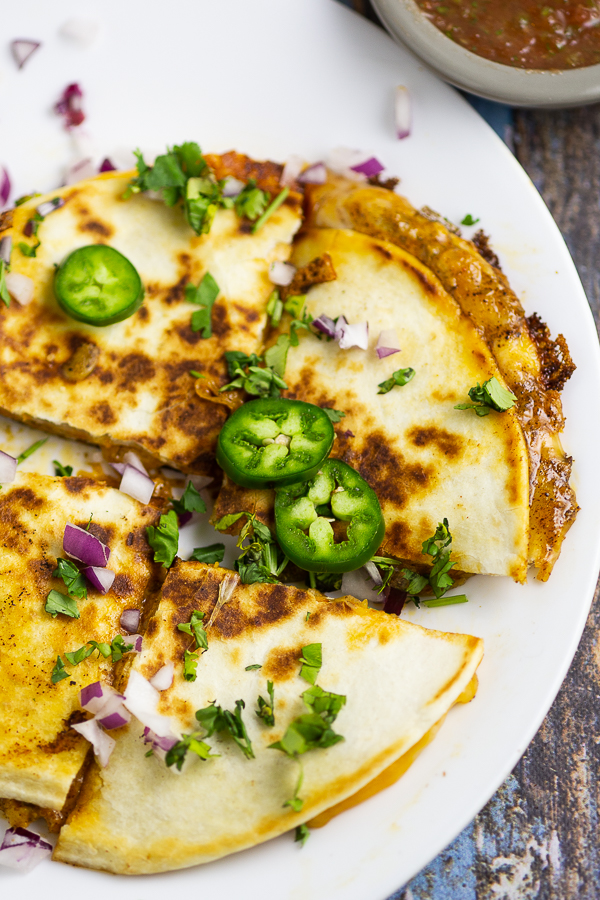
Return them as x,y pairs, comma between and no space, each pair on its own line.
190,663
195,629
266,710
296,802
246,374
211,554
227,521
176,755
77,656
302,834
254,667
4,295
335,415
469,220
307,732
119,648
22,456
400,377
324,703
274,308
294,305
251,202
490,395
63,471
204,296
447,601
72,577
190,501
312,660
59,672
273,205
214,718
276,356
59,603
164,538
21,200
28,249
261,559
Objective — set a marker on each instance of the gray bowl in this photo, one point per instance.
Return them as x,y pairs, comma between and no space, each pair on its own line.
505,84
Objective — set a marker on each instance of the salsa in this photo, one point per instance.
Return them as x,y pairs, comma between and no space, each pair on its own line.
529,35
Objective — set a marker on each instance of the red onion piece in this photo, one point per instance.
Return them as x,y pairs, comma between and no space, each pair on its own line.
315,174
395,600
5,186
343,161
83,546
131,459
93,696
22,49
184,518
49,206
291,170
130,620
356,335
359,584
136,640
102,743
80,31
369,168
69,106
136,484
163,679
107,166
160,745
281,273
20,287
402,112
115,719
23,849
387,343
325,324
101,579
8,468
120,467
6,249
232,187
141,699
79,171
347,434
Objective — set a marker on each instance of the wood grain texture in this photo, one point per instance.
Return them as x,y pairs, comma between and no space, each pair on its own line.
537,839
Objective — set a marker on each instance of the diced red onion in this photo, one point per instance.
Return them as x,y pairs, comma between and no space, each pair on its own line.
344,161
160,745
20,287
402,112
232,187
85,547
6,248
281,273
315,174
107,166
23,849
136,484
356,335
93,696
132,459
101,579
369,168
291,170
386,343
120,467
8,468
325,324
395,601
5,186
359,584
22,50
347,434
184,518
163,679
130,620
80,31
136,640
69,106
374,573
79,171
49,206
115,719
102,742
141,699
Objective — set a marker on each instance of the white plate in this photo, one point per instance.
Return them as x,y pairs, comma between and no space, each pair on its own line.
301,76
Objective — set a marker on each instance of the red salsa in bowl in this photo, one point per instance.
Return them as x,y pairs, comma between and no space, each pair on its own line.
563,34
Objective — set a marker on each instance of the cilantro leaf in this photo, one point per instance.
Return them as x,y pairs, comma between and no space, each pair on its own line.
22,456
253,667
63,471
312,660
469,220
307,732
273,205
195,629
4,295
204,296
261,559
214,718
266,711
276,356
59,603
251,202
189,743
190,501
190,663
489,396
77,656
227,521
324,703
237,360
59,672
211,554
302,834
118,648
335,415
400,377
29,250
164,538
73,579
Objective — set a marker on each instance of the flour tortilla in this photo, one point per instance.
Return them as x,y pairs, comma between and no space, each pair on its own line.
137,817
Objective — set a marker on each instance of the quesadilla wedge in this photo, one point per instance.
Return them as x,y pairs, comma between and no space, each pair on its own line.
137,816
128,384
40,754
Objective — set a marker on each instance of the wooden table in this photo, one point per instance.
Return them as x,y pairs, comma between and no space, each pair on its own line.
539,836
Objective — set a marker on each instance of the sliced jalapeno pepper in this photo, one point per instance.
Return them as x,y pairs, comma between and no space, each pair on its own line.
98,285
271,442
304,514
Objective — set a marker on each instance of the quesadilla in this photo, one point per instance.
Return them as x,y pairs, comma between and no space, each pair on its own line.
128,384
139,816
40,753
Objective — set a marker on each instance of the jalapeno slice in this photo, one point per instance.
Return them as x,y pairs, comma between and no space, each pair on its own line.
271,442
98,285
304,514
